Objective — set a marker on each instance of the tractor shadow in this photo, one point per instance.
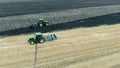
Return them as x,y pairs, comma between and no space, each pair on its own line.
89,22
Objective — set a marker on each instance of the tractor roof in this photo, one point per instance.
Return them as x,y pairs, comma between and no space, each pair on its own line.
39,33
40,19
32,37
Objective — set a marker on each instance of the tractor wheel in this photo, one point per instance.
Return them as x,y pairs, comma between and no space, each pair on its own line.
41,25
46,24
32,43
41,40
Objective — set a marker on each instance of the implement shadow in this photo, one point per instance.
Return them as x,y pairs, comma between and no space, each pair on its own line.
89,22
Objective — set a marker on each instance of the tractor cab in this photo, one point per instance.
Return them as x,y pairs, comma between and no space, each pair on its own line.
38,38
42,23
38,35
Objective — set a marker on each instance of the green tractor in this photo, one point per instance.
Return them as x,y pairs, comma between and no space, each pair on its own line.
38,38
42,23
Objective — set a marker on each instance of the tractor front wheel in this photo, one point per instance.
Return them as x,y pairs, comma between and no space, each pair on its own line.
42,41
46,24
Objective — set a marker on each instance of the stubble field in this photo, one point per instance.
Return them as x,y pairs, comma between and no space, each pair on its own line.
93,47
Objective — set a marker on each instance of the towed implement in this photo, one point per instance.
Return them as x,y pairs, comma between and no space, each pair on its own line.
39,38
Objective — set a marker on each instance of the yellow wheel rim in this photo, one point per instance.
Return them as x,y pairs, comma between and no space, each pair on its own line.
32,43
41,25
41,41
46,24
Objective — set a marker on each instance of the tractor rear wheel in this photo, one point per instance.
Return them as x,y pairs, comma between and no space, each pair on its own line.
41,25
32,43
